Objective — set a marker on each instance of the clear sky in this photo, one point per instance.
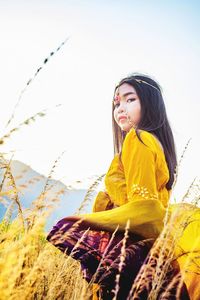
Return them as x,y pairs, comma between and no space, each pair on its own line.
107,40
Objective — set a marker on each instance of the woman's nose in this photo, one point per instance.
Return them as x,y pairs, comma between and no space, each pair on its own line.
121,108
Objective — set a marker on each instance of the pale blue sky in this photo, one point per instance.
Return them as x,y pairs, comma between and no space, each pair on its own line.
107,40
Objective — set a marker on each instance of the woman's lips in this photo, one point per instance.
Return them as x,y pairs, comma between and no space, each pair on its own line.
122,118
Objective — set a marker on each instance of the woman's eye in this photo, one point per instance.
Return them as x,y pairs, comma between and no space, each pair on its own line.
131,99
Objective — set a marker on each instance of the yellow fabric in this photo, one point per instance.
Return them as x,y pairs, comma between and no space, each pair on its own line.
95,288
135,183
189,243
101,202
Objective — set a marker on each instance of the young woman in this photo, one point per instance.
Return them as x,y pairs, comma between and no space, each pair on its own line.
129,215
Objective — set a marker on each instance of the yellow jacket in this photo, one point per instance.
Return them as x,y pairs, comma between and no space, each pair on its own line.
135,186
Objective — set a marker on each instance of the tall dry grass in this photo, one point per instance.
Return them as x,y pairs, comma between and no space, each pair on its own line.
32,268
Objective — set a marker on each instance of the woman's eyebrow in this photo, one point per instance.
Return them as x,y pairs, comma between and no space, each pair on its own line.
124,95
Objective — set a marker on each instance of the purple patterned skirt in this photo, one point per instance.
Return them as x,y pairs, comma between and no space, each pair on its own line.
99,252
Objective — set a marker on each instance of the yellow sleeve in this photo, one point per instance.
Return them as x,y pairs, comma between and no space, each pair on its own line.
145,211
140,166
102,202
114,193
115,182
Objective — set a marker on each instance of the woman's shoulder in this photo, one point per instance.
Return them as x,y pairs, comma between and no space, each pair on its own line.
150,140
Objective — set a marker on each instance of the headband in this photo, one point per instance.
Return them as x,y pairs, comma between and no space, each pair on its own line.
142,81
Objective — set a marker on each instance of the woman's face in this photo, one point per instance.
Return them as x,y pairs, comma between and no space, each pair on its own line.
126,104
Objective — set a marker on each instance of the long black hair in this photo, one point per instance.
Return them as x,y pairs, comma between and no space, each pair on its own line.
153,119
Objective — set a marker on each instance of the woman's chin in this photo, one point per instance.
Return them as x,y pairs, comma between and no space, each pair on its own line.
125,128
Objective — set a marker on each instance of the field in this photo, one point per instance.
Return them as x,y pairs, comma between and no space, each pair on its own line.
32,268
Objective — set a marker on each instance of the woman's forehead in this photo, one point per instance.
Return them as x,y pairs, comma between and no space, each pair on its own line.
124,90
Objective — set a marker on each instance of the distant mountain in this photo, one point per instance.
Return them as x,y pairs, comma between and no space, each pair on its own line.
31,184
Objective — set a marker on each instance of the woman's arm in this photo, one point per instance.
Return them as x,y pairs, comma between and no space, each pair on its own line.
102,202
143,209
114,193
115,182
140,166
